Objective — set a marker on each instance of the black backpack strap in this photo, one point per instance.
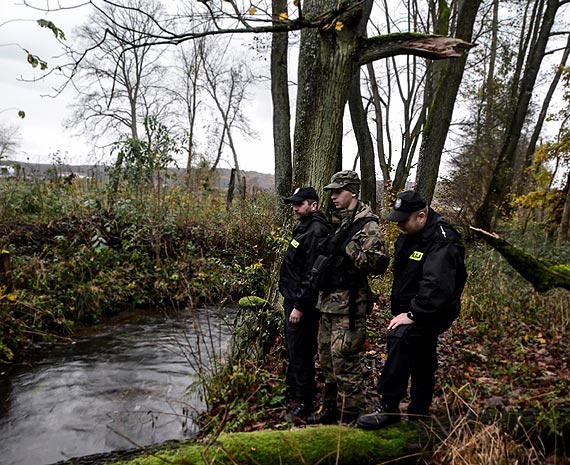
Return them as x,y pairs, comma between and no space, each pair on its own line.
340,240
348,234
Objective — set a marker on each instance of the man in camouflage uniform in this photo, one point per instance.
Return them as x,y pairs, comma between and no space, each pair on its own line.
356,250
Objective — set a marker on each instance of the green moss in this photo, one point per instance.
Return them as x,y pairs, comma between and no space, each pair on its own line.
251,301
302,446
562,268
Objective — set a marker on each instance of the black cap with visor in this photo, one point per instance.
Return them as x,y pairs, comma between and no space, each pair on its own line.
406,203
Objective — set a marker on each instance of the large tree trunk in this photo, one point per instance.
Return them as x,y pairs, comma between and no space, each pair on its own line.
501,182
281,108
441,108
327,64
334,53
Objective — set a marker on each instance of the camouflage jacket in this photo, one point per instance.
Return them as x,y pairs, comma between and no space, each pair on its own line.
368,253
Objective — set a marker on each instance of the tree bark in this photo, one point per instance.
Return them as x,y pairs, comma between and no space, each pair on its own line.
441,109
489,212
281,109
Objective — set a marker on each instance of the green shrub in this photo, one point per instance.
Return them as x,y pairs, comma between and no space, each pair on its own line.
75,263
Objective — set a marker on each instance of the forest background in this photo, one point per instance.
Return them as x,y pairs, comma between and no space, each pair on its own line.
81,249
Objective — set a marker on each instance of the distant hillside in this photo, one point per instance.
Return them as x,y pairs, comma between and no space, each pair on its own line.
24,170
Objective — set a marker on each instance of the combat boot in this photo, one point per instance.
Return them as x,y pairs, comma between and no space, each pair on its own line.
299,413
327,414
380,418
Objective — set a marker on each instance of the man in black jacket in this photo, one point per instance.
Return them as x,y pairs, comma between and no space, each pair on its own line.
429,276
300,299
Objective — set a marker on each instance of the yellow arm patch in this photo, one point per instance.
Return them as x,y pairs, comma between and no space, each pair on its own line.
417,256
294,243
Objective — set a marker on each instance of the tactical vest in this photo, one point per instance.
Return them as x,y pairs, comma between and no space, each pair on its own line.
334,270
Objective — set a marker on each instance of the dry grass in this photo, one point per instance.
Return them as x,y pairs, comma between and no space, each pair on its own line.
470,440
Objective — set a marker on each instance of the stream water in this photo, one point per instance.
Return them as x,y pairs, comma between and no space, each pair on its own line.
123,387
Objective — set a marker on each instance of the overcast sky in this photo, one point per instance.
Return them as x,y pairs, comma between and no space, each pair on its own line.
42,133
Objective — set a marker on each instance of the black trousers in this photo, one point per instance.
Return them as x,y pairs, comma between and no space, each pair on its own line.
411,354
301,341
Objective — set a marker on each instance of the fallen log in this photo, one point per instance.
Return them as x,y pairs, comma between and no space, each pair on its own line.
542,274
403,443
323,445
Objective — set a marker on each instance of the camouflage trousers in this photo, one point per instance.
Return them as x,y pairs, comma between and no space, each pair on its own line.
339,357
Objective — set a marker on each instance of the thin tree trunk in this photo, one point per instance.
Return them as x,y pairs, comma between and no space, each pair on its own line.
565,220
192,107
220,149
231,189
359,119
545,105
384,164
281,108
5,271
501,181
441,108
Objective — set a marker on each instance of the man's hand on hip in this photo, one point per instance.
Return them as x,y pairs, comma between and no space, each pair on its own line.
401,319
295,316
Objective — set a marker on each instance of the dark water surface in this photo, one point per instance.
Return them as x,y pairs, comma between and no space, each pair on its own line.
117,389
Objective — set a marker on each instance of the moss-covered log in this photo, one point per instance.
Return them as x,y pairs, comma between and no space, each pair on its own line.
402,443
312,445
543,275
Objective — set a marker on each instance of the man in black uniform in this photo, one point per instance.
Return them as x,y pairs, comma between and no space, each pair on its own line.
429,276
300,299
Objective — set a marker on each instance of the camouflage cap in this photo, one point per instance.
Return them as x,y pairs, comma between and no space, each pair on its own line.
346,179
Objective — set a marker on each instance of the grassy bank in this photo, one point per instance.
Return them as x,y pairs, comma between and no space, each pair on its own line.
76,260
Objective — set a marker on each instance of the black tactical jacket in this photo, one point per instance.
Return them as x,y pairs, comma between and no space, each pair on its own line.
429,274
295,275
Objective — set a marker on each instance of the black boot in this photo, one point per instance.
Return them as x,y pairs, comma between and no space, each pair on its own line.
327,414
381,417
299,413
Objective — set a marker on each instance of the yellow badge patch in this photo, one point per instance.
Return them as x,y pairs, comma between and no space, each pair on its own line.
294,243
417,256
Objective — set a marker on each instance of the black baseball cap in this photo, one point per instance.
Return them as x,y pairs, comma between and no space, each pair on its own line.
406,203
303,193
